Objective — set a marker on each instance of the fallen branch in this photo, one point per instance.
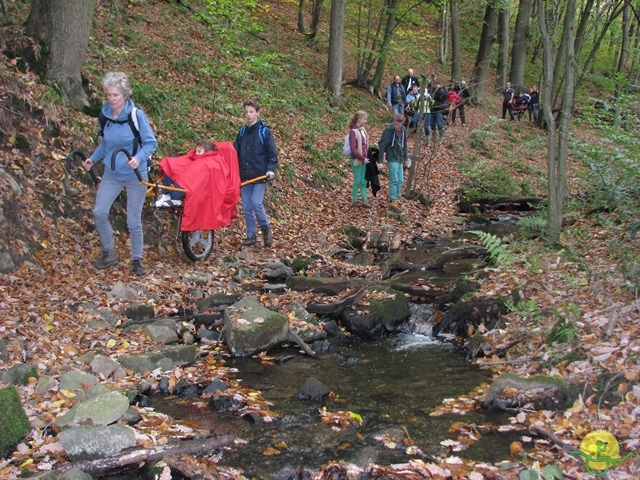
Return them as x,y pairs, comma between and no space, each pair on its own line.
567,447
507,362
130,457
293,336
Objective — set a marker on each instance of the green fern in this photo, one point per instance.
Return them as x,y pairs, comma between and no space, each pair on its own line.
499,253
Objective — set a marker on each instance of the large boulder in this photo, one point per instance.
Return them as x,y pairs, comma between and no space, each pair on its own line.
250,328
386,310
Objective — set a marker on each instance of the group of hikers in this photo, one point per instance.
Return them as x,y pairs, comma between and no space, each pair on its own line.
252,157
437,104
127,129
518,103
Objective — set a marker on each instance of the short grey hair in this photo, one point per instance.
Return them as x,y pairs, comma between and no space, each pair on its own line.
119,80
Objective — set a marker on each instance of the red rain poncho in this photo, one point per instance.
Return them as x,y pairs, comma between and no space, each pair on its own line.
212,182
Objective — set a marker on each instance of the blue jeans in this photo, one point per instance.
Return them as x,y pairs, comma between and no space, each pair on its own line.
435,121
359,182
253,207
167,182
396,179
108,191
427,125
534,110
397,108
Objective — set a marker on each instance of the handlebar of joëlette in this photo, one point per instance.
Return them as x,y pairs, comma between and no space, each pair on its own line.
148,184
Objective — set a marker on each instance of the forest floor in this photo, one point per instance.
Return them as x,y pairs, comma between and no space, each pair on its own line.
576,287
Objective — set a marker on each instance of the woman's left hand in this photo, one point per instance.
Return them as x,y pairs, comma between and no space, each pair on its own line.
133,163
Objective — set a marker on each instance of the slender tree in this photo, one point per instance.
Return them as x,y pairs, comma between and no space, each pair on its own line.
301,4
336,46
456,67
481,67
391,12
503,44
557,133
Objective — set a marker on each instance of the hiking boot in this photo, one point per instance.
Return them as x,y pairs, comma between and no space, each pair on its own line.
247,242
266,236
136,266
366,204
394,205
108,258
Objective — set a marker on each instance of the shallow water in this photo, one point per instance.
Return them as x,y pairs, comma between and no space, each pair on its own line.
393,383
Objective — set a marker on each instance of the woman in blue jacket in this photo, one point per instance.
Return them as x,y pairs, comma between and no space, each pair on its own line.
120,132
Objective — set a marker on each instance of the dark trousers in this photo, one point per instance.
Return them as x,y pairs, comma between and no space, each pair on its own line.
507,106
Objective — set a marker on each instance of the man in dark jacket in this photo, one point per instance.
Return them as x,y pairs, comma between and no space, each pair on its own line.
507,101
256,157
396,95
409,80
439,106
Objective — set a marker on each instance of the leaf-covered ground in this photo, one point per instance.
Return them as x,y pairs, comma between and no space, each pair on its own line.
47,303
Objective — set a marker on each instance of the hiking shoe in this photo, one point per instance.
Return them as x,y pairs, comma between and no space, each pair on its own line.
266,236
108,258
394,205
136,266
164,198
247,242
175,203
366,204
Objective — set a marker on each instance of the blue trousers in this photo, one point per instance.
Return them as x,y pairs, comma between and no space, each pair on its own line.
252,197
108,191
396,179
397,108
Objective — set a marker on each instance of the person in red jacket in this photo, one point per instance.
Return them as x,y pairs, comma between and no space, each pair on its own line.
174,199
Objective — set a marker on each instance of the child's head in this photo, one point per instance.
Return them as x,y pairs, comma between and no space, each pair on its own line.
205,146
357,118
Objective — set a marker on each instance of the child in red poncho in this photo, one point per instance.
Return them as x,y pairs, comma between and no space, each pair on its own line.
174,199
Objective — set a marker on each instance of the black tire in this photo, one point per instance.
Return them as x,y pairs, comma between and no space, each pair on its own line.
197,245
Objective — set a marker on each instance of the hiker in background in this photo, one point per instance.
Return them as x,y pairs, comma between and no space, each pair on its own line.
396,96
393,146
463,93
256,157
174,199
439,96
507,101
359,142
409,80
119,133
533,103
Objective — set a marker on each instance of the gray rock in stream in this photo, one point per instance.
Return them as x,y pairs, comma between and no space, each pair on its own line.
90,443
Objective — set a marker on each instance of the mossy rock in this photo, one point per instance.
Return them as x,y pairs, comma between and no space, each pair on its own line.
14,424
540,392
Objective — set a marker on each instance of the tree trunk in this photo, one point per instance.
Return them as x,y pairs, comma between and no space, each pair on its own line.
456,67
443,43
315,20
336,44
301,16
391,11
481,68
520,42
37,25
503,46
64,26
557,142
622,62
